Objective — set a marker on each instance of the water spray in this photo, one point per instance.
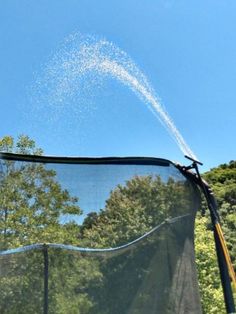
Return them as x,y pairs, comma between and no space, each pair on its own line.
99,59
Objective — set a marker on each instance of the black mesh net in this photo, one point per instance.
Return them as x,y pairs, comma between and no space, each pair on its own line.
96,236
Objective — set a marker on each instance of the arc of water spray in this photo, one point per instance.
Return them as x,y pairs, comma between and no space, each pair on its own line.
158,111
82,55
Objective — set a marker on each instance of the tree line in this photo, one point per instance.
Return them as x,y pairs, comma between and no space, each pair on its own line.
31,204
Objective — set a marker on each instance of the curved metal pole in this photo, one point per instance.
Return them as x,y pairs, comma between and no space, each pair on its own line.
212,206
224,271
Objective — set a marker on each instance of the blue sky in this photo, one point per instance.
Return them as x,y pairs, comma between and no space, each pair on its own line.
186,49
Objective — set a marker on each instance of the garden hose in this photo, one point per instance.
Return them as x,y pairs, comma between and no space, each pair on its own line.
226,254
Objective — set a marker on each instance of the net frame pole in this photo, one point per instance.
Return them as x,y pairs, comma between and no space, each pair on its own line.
213,209
223,267
46,272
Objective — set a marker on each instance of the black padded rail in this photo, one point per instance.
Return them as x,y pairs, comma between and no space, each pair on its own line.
88,160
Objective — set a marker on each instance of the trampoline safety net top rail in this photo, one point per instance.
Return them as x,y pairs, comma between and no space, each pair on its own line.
96,236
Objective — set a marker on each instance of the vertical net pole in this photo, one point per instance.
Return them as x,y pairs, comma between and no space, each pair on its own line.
45,254
222,262
223,267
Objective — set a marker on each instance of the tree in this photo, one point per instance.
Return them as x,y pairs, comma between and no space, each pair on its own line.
141,204
223,181
133,209
208,270
32,204
23,145
32,201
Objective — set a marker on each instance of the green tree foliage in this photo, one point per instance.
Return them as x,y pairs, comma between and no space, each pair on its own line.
132,210
32,201
223,181
207,266
32,204
143,202
23,145
135,208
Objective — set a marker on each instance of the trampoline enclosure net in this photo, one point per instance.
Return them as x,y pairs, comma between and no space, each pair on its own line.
96,236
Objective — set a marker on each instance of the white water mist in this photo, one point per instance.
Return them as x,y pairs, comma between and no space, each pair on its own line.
85,61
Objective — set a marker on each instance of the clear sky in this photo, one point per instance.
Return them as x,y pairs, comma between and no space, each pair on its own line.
186,49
